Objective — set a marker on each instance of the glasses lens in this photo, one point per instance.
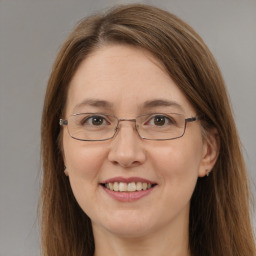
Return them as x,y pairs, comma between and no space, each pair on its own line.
91,126
161,126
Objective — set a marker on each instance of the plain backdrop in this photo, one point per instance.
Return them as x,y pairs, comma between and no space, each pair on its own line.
31,33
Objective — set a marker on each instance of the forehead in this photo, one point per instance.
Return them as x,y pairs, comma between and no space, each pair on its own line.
125,78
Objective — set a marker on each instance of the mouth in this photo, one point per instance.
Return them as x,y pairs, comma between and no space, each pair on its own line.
128,186
130,189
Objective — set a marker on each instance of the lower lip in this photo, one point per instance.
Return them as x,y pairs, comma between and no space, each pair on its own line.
128,196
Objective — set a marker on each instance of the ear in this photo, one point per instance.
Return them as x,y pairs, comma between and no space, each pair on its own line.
60,144
210,152
64,161
66,171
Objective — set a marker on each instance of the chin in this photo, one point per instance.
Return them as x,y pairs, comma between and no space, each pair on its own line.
129,231
129,225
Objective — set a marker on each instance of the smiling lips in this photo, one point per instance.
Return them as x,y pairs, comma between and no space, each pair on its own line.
128,189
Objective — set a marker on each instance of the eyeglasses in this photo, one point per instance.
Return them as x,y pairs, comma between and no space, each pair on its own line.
100,127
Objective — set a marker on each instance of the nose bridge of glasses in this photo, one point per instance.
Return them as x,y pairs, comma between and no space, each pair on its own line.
128,120
121,120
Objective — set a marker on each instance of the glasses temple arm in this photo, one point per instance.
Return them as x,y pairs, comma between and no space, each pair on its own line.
192,119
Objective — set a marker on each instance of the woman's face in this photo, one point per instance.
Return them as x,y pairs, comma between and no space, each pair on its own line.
127,82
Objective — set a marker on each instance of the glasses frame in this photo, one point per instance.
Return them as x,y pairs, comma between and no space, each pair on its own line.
64,122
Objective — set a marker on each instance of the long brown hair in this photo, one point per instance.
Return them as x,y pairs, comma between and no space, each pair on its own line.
219,213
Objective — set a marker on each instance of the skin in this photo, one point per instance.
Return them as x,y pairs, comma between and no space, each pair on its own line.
158,223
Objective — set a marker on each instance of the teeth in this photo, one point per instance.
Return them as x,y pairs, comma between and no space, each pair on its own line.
131,187
139,186
122,186
128,187
116,186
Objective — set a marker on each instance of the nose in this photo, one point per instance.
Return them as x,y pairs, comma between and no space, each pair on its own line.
127,147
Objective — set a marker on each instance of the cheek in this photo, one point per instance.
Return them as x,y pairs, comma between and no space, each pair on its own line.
83,162
177,166
178,159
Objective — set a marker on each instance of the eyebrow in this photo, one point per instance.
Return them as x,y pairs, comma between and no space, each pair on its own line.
94,103
162,103
146,105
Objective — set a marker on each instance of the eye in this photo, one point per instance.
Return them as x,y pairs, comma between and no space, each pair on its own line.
95,120
160,120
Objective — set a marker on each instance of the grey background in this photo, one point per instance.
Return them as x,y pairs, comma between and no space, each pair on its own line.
31,32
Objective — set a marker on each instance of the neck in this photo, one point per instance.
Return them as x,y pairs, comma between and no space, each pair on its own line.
163,242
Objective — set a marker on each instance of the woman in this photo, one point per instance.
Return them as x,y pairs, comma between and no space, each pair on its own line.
139,146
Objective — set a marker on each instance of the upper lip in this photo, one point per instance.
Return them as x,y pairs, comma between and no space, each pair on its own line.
128,180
